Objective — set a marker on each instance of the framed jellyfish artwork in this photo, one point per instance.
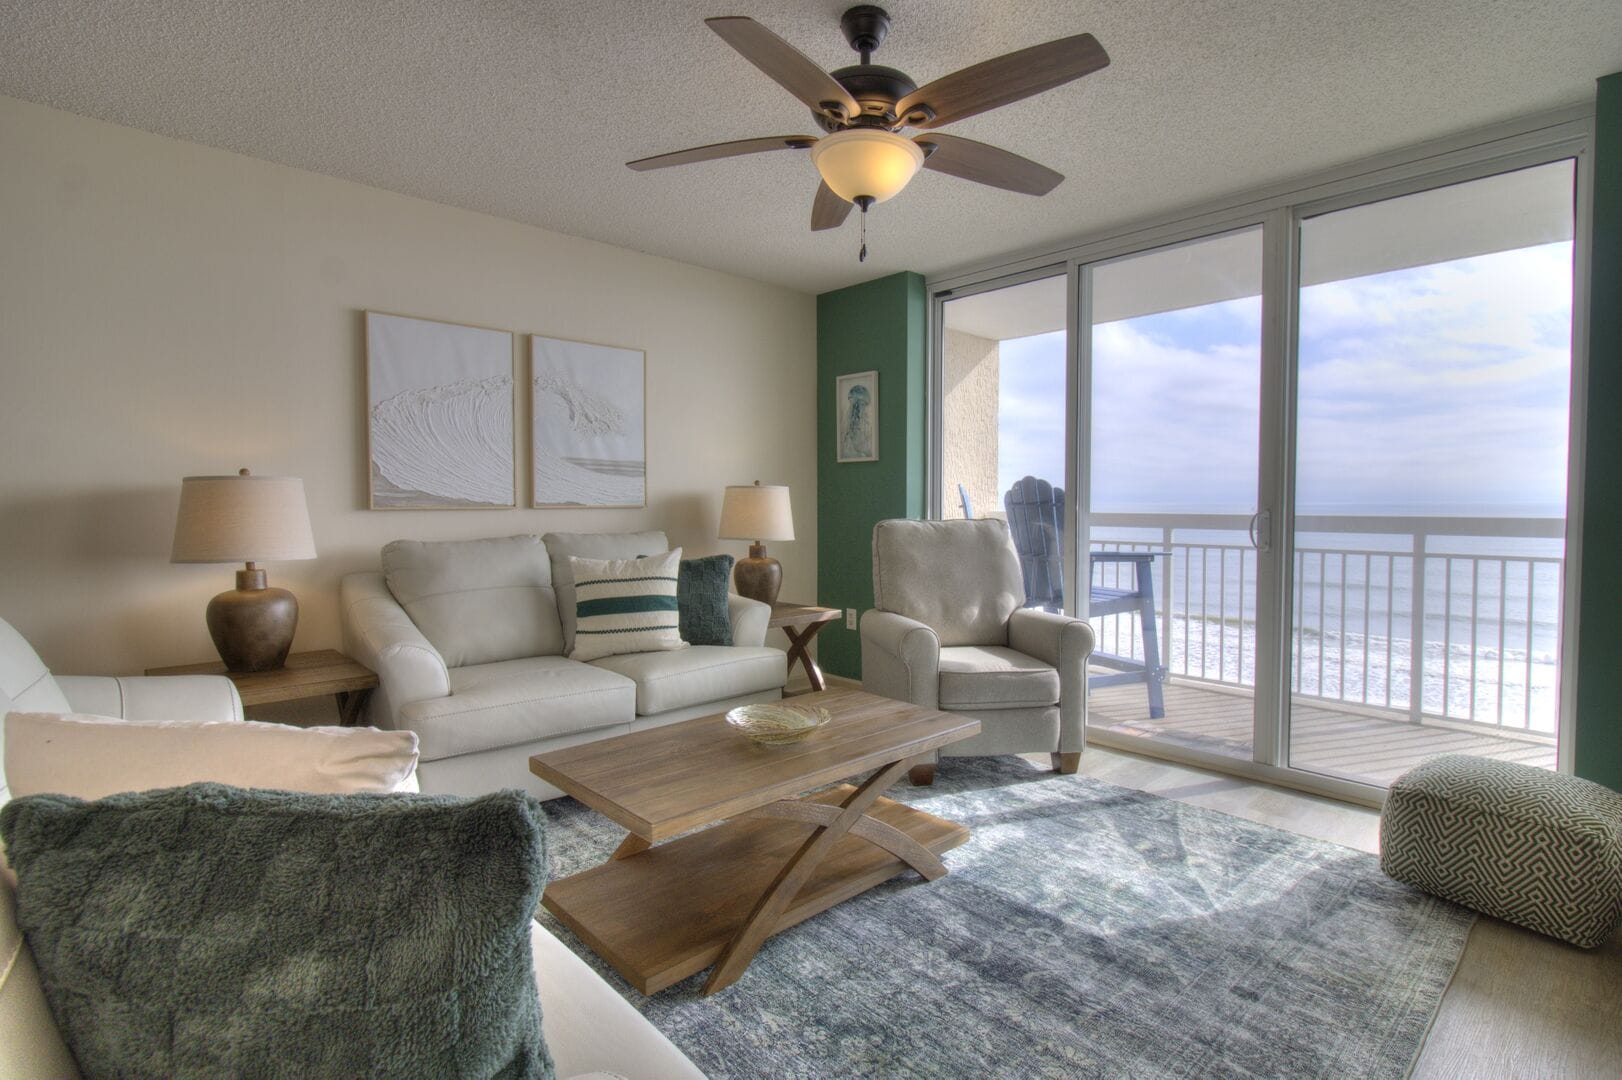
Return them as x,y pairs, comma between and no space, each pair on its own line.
439,409
856,413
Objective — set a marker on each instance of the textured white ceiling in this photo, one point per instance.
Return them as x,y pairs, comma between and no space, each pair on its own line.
528,109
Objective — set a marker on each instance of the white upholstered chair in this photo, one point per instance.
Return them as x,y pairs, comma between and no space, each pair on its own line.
948,632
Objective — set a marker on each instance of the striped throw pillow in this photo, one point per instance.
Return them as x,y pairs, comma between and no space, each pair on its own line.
625,605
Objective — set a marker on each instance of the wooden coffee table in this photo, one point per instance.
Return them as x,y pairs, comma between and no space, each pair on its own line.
662,911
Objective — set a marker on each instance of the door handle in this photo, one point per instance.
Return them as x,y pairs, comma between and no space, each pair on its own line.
1261,530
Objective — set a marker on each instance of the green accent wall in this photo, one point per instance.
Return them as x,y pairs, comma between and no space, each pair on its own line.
1598,751
876,326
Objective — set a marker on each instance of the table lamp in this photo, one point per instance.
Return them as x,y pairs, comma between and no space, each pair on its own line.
757,513
245,519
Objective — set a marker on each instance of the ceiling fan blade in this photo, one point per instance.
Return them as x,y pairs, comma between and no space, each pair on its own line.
1005,79
984,164
721,150
828,211
784,64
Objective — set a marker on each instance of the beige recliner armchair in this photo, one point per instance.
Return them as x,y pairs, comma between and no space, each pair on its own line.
948,632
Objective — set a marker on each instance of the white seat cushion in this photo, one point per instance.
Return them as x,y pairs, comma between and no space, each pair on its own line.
518,701
994,677
698,674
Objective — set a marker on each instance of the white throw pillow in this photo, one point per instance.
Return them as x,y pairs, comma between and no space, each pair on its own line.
625,605
90,757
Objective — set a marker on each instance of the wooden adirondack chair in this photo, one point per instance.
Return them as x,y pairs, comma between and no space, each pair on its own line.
1036,520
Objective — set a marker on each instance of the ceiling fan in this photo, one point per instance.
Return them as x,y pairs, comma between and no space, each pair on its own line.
862,158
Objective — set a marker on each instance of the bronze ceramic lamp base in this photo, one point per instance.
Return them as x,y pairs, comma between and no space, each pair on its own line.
758,577
252,625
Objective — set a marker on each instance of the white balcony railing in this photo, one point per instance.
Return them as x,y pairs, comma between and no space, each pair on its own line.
1485,614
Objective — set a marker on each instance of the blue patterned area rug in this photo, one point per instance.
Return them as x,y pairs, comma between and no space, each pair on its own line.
1085,930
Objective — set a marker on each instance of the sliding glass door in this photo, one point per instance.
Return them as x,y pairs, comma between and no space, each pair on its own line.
1172,451
1303,466
1433,392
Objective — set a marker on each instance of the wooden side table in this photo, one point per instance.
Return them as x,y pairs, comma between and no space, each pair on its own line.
802,623
305,675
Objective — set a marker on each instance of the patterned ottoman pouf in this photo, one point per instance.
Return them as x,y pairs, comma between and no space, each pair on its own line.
1522,844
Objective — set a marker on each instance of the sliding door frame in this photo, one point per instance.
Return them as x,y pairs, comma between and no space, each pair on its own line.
1279,210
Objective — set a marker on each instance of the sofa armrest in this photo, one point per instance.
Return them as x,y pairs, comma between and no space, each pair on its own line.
590,1028
1065,643
749,618
187,699
379,633
901,658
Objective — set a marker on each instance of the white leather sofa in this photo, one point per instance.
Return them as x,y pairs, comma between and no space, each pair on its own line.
26,685
470,642
589,1028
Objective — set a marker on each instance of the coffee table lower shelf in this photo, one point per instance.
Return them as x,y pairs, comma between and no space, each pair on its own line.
668,912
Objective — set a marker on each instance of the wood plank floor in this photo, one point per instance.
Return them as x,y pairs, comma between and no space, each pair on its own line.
1520,1004
1340,742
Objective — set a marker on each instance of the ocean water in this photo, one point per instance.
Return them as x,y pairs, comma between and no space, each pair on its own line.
1488,623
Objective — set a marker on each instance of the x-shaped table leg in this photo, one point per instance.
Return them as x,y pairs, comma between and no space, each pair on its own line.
831,828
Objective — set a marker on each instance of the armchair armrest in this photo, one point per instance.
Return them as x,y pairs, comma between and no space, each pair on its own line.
1053,639
379,633
1065,643
749,619
900,658
185,699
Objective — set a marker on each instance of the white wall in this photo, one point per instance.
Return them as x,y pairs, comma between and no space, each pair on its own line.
168,309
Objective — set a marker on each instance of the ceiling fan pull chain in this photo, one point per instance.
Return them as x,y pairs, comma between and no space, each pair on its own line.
862,255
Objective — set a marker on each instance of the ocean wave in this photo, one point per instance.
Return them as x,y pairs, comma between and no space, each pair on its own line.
451,442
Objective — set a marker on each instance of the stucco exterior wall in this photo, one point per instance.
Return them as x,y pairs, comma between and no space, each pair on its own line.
972,366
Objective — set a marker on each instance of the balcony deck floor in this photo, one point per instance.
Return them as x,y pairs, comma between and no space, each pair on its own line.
1345,742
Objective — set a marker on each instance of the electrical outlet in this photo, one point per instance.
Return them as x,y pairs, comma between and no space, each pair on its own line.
850,618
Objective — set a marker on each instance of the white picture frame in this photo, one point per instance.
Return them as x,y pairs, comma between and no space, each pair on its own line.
588,432
856,417
440,415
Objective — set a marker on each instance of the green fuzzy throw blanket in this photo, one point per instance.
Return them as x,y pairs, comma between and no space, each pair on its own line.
209,931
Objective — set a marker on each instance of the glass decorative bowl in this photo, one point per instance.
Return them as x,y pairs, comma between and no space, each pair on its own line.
777,725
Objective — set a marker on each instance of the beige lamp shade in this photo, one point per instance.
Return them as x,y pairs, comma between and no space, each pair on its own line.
242,518
756,512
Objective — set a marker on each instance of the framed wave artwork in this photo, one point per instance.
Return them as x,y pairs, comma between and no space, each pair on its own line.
440,406
588,440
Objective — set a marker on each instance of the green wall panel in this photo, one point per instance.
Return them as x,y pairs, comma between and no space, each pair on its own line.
876,326
1598,752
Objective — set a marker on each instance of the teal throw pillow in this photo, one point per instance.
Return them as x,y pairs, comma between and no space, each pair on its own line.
215,931
701,600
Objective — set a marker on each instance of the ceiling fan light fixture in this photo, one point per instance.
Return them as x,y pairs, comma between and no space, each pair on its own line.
868,162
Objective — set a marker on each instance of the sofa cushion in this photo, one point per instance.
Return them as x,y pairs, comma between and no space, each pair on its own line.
560,547
477,601
994,677
92,756
959,578
698,674
702,608
518,701
210,930
30,1046
625,605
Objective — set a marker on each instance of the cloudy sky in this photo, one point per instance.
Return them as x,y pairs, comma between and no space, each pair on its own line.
1439,389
